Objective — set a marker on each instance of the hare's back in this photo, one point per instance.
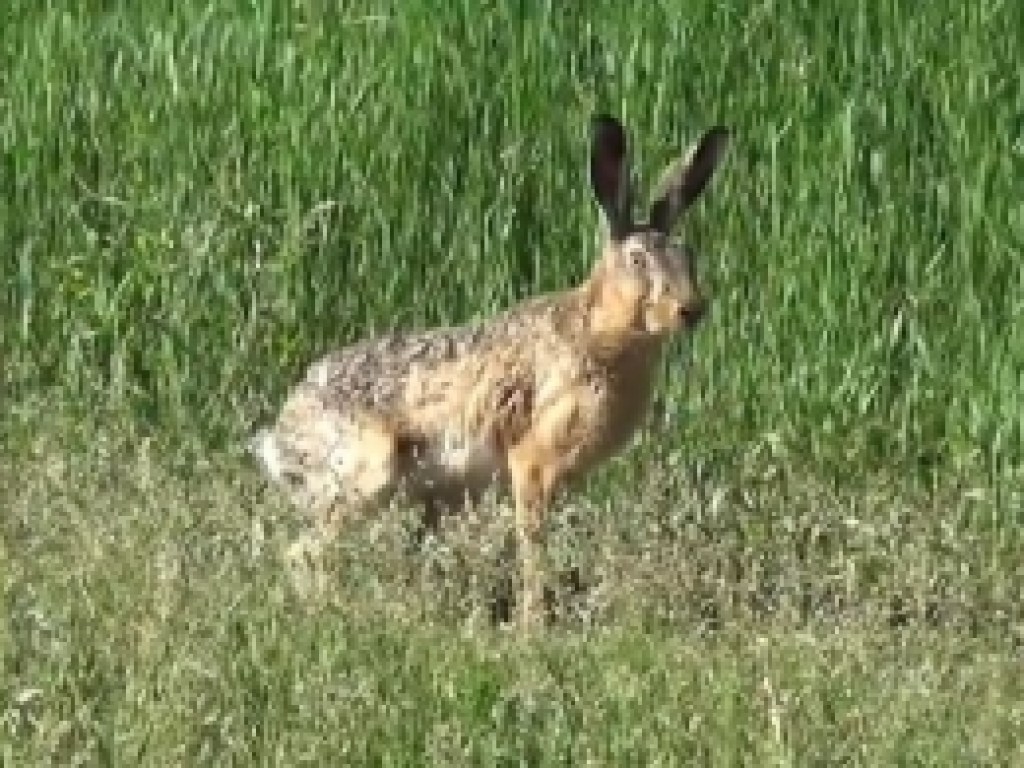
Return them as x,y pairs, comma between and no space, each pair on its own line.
374,373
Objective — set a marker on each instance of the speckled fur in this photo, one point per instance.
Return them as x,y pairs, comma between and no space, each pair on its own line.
531,398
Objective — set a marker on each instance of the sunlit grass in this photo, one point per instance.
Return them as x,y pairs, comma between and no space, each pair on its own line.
200,200
745,616
814,558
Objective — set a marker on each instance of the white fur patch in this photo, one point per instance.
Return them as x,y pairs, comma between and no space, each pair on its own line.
319,374
340,457
264,446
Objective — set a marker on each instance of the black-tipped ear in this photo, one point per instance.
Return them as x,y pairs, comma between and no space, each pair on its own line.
609,171
683,181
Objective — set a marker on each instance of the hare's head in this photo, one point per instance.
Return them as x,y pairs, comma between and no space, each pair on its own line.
646,282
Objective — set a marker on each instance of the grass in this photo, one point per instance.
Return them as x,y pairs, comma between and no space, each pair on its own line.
814,559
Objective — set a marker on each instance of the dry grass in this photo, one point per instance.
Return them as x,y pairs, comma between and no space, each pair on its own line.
748,613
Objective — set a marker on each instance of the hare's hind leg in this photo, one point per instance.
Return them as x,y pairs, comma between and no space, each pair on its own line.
335,465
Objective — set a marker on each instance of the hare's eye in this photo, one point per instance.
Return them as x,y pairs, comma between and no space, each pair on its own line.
637,259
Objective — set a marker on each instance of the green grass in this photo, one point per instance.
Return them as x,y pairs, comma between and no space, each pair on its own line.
816,559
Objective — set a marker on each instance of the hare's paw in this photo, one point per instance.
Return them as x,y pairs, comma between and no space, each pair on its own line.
304,562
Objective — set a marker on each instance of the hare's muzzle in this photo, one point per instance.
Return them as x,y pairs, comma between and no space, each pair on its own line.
690,314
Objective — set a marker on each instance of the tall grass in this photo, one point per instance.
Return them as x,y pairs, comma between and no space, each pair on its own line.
817,557
199,198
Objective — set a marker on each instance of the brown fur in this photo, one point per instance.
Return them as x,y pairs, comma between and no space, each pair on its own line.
531,398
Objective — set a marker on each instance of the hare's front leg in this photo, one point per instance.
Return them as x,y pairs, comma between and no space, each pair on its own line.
532,486
539,464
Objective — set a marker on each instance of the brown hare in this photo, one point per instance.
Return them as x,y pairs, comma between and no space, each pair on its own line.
530,398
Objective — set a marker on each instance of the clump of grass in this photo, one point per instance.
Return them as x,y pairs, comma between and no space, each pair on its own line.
742,617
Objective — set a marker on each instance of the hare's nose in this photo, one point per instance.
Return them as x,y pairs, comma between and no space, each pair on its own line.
693,312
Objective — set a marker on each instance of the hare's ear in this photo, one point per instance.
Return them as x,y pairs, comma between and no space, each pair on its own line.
609,172
684,180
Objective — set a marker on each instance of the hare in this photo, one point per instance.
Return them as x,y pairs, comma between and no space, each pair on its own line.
531,398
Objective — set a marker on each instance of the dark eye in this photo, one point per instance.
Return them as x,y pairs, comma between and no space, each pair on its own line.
637,259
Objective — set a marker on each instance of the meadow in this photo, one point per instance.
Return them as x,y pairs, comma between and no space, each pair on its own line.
814,556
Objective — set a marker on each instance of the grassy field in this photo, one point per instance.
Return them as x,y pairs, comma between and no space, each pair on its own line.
815,557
